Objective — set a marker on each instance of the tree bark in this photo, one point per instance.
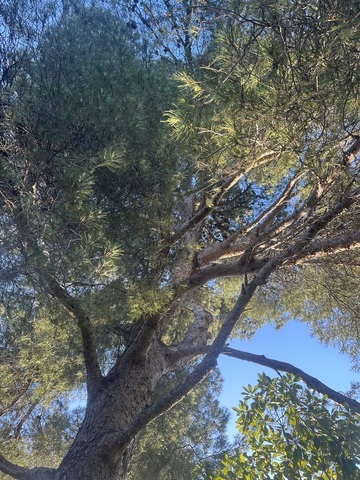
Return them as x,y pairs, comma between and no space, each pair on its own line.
95,453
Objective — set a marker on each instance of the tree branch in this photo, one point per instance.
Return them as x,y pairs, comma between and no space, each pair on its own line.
310,381
315,250
22,473
250,233
326,246
141,338
226,269
93,372
218,345
352,151
196,337
228,183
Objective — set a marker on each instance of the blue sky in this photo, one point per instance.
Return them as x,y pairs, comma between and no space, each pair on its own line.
293,344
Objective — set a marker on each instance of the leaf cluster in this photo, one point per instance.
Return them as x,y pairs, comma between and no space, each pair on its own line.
292,433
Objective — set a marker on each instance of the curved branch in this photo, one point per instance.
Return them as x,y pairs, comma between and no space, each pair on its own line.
22,473
316,249
311,382
73,306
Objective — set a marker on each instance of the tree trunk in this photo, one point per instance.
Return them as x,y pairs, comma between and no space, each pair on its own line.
95,453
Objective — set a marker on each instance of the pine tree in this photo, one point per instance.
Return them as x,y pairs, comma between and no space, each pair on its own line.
132,247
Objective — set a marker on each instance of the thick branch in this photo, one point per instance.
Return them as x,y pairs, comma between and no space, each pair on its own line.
93,372
332,245
206,210
315,250
227,269
196,337
22,473
310,381
141,337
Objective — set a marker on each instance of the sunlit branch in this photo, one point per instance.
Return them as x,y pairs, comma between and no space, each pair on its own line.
333,245
312,250
352,151
24,418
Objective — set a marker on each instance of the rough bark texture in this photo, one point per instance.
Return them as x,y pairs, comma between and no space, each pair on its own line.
95,453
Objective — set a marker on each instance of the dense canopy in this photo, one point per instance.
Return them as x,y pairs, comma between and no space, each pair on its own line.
171,174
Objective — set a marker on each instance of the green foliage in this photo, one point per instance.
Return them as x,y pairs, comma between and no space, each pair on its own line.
282,80
92,113
87,119
292,433
86,172
93,187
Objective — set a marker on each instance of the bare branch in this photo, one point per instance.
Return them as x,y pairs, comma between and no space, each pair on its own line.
310,381
24,418
226,269
22,473
73,306
352,152
315,249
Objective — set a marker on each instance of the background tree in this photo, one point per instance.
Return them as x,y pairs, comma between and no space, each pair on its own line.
178,32
130,256
292,432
